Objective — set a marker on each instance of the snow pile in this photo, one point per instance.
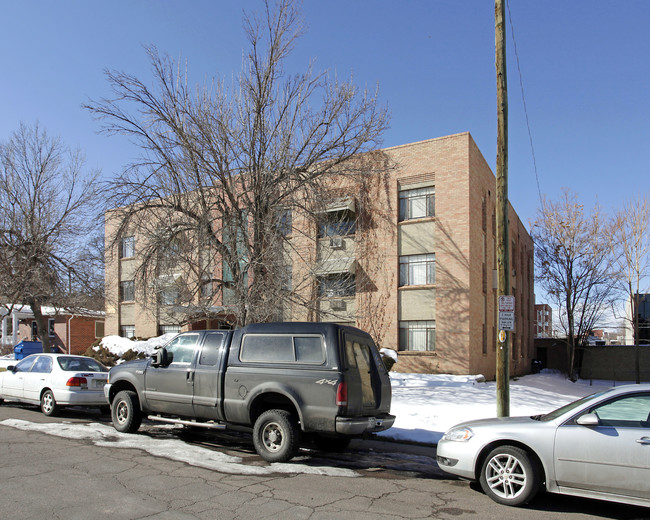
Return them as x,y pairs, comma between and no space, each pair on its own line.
389,352
119,346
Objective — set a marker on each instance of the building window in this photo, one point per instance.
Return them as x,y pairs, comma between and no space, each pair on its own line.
417,336
50,327
417,270
169,295
127,291
127,247
99,329
127,331
169,329
337,224
418,203
283,224
336,286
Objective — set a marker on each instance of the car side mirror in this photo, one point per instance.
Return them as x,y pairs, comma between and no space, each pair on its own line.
588,419
11,368
162,358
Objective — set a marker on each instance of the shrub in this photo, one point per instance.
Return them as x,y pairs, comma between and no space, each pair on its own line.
131,354
102,354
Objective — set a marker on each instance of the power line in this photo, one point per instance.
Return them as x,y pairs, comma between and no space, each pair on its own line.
523,98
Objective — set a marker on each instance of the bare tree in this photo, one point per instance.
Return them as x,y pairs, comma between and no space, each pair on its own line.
574,266
46,201
630,242
227,170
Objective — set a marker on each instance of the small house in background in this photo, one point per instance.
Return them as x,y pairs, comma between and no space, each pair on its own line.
69,331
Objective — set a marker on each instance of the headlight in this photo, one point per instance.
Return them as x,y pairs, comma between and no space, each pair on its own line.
458,435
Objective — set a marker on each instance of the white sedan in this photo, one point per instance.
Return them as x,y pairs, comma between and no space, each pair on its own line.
55,380
596,447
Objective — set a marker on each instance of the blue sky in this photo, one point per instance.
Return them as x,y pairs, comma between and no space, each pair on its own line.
584,65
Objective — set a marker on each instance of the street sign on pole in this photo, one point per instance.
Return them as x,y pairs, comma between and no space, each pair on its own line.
507,313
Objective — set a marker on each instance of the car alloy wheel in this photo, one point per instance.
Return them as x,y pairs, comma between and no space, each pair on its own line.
510,476
48,403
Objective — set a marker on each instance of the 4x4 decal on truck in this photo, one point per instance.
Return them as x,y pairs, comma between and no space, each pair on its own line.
327,382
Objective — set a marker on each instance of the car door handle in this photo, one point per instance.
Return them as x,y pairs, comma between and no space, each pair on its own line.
190,377
643,440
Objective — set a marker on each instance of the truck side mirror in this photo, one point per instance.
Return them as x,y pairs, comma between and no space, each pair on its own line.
162,358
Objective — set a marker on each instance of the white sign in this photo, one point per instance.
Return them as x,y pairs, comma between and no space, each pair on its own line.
506,320
506,304
507,312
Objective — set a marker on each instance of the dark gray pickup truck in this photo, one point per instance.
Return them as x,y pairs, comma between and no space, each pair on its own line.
283,380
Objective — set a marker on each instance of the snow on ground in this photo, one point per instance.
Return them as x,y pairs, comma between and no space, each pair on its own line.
173,448
426,405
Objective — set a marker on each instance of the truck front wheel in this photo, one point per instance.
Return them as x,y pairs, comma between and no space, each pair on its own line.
276,436
125,412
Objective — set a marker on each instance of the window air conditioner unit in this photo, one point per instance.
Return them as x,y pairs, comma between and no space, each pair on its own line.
336,243
337,305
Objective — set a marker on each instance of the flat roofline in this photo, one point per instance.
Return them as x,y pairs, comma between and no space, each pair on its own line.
425,141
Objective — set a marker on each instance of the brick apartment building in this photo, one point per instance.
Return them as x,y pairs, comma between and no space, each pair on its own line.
421,279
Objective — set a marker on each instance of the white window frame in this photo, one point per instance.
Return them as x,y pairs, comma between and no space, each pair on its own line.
127,247
127,296
169,329
417,336
417,270
99,324
125,329
417,203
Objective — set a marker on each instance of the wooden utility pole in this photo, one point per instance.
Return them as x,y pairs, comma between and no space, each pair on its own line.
503,253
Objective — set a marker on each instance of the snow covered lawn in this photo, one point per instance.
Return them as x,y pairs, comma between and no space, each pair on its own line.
426,405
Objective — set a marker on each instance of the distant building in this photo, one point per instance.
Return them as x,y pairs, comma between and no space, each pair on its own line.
420,278
71,332
543,320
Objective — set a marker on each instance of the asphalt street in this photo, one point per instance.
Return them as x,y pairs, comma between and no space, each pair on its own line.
51,477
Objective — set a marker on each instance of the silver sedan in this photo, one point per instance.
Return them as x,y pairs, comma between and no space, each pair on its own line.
596,447
55,380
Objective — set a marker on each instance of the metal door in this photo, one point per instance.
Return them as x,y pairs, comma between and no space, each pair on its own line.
13,382
206,376
169,389
613,457
37,378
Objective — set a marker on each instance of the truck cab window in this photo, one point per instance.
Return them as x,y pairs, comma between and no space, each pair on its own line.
210,351
182,348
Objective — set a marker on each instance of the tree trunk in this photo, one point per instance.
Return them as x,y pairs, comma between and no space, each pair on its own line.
41,323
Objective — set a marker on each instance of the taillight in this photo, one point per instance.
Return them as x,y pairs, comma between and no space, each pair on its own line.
77,381
342,394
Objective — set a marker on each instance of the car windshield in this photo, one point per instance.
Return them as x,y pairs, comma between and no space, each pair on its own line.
80,364
568,407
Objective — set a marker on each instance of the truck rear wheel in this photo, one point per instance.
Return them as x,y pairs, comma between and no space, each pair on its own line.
276,436
125,412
